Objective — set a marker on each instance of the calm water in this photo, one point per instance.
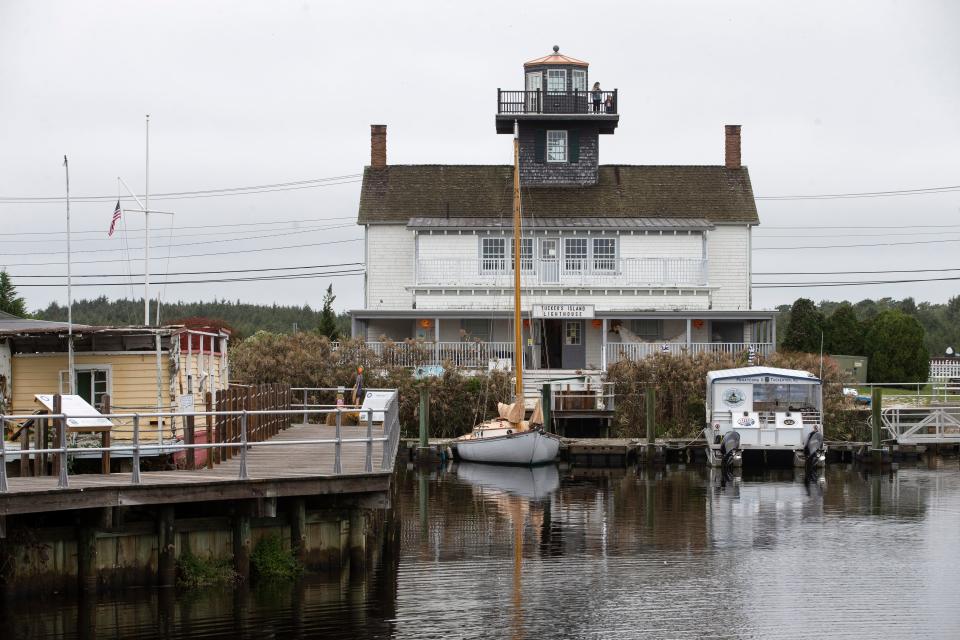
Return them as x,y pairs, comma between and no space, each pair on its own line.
682,552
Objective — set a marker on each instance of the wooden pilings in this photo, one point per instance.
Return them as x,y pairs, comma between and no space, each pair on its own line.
166,547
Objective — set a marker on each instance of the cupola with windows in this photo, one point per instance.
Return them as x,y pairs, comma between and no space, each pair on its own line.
560,116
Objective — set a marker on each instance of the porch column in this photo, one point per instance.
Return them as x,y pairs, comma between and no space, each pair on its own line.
603,345
436,340
689,335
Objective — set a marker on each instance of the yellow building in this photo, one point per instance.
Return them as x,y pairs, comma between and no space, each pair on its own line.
141,369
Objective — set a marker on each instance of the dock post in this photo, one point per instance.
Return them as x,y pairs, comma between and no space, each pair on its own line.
424,416
545,408
3,456
876,407
298,528
337,466
166,562
87,559
242,543
62,481
650,408
135,475
368,461
243,445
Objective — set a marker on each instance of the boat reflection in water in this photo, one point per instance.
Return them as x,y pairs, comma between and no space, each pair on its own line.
523,482
520,494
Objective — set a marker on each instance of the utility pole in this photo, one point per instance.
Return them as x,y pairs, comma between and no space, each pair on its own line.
146,244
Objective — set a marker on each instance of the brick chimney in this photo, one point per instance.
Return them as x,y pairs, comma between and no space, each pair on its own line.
732,147
378,146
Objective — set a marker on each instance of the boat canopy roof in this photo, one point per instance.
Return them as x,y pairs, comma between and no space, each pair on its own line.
744,373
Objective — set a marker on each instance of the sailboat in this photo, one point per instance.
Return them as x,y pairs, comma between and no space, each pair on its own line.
509,438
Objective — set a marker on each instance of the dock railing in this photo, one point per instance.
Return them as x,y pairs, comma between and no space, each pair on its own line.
252,431
589,398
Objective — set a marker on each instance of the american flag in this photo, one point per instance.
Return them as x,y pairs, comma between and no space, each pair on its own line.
116,218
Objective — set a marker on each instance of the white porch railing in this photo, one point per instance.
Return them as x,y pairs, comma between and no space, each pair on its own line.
568,272
618,351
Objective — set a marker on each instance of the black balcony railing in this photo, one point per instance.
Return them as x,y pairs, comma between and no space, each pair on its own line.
557,102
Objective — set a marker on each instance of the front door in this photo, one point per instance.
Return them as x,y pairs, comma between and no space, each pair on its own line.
534,84
574,347
549,260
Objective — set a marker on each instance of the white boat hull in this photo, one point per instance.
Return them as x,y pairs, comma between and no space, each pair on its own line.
519,448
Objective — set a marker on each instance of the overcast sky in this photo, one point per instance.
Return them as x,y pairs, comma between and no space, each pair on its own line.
834,97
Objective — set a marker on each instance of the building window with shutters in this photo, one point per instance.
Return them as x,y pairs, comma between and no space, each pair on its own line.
493,254
556,146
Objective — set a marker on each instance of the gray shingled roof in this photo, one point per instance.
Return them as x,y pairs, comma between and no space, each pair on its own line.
400,192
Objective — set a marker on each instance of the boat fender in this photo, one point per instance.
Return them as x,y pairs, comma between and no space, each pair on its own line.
814,443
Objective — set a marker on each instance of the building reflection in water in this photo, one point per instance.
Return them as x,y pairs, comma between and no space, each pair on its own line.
478,551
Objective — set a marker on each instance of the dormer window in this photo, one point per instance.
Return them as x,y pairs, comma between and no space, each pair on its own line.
556,146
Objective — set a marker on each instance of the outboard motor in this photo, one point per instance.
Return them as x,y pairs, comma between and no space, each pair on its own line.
814,448
730,449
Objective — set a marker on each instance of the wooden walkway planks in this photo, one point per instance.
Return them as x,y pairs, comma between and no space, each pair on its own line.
272,470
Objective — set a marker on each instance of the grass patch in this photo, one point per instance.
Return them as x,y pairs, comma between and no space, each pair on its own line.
195,573
271,561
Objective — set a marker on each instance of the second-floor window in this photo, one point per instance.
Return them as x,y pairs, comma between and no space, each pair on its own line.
574,254
526,255
556,146
604,254
493,254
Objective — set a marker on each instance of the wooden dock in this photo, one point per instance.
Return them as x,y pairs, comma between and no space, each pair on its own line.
272,471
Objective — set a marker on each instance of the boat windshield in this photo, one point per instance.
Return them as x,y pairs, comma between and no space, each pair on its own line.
783,397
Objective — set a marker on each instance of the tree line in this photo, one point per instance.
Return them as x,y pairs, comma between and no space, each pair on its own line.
890,334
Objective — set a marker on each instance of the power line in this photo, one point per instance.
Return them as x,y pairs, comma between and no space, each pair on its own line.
860,283
291,276
840,273
192,273
190,244
201,193
848,246
859,235
135,236
865,194
191,255
872,226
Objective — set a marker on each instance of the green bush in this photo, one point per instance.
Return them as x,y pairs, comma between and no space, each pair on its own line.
271,561
195,573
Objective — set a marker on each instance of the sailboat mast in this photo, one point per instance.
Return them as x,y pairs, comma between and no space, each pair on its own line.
517,323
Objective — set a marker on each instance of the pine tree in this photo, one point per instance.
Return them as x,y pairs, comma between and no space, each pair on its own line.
805,328
895,346
843,332
328,318
9,301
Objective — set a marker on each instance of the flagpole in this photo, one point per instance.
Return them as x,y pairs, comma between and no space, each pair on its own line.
70,372
146,219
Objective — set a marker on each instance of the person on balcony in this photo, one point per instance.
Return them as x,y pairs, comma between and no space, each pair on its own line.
608,104
597,96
